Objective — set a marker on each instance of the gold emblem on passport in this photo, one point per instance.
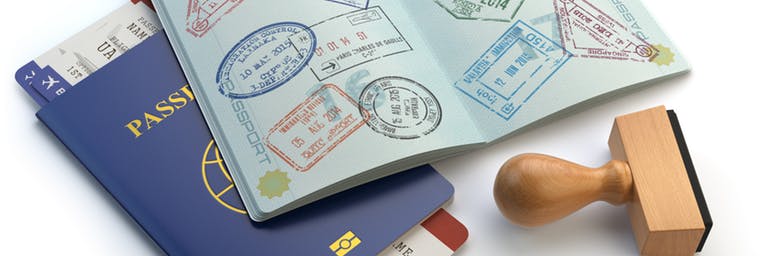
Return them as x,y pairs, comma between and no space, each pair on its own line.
218,181
665,57
273,184
345,244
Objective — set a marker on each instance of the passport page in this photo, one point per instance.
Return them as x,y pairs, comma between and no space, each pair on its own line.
554,54
308,98
302,87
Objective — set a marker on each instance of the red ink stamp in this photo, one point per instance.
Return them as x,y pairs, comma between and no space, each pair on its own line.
147,2
315,127
588,32
202,15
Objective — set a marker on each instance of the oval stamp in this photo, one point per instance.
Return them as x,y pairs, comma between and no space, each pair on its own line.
400,108
265,60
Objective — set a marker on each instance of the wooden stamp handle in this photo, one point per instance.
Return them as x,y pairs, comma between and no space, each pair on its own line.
535,189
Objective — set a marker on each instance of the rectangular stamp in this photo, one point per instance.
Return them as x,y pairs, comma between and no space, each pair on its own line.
315,127
362,4
506,76
353,39
202,15
488,10
589,32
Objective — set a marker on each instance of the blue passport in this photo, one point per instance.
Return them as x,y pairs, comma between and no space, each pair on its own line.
172,179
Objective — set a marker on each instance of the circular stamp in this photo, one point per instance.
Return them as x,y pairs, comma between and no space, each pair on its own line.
400,108
645,51
265,60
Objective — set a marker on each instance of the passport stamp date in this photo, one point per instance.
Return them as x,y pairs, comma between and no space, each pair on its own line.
508,75
353,39
487,10
315,127
400,108
265,60
588,32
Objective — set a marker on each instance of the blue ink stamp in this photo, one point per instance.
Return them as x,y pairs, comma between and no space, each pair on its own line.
506,77
265,60
362,4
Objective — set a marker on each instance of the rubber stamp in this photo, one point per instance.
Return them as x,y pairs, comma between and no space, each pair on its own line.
651,172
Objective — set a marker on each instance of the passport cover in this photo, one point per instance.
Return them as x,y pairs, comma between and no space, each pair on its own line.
171,179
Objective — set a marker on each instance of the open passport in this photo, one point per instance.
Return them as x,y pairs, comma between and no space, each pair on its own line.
307,98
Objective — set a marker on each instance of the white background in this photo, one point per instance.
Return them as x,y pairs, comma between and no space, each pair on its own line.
51,205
